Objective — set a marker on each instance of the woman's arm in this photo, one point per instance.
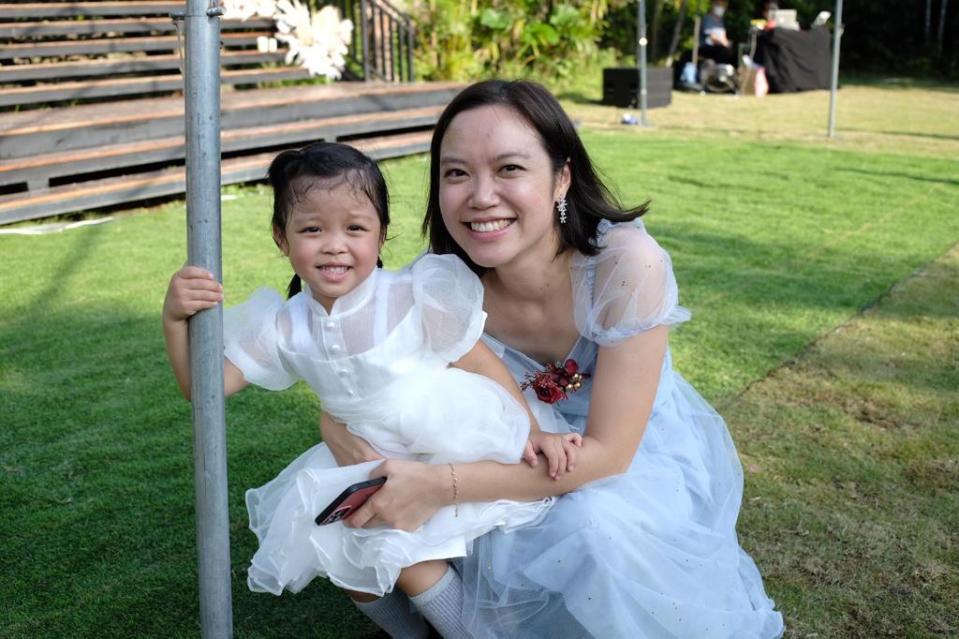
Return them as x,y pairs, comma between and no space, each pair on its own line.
347,448
624,388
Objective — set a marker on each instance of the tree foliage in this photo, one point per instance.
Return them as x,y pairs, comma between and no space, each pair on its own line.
461,40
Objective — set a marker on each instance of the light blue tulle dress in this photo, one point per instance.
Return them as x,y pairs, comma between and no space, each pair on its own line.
649,553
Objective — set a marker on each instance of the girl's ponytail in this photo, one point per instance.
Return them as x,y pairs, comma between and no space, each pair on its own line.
295,286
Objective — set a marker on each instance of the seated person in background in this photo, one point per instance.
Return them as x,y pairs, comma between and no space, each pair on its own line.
713,43
768,14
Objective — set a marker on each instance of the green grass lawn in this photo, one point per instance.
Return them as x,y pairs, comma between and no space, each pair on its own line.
824,296
851,454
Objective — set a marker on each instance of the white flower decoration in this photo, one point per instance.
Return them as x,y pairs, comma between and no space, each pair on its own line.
246,9
319,42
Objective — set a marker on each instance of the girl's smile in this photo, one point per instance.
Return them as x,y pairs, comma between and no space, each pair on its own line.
334,272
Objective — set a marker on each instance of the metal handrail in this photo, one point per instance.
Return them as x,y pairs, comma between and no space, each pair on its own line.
383,40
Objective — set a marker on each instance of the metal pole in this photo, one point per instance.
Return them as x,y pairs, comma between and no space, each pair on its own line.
410,35
641,59
696,25
942,24
202,98
834,84
365,37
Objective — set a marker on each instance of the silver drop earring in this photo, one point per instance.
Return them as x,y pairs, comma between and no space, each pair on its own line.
561,209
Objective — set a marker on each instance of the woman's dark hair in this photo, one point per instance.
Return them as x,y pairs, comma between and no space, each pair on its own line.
323,161
588,199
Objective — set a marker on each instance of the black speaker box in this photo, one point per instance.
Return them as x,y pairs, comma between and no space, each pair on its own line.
621,86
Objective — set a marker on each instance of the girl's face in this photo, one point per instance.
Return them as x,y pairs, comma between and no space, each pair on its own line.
332,237
497,188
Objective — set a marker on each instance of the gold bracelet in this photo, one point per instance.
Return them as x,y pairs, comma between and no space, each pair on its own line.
456,507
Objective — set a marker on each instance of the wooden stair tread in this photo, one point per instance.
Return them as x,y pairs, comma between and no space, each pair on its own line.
371,146
78,9
116,45
231,140
171,181
23,30
226,76
58,70
158,83
92,115
337,122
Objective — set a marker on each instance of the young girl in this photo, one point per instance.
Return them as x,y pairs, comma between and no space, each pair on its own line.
376,347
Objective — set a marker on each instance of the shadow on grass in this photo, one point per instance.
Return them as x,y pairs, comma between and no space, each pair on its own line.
96,486
578,97
905,176
910,134
68,265
777,279
899,82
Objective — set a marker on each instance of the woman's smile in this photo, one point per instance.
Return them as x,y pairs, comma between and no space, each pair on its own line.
490,229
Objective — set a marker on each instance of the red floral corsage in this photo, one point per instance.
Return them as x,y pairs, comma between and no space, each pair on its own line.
556,382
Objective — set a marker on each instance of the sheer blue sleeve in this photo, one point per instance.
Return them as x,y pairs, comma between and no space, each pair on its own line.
628,288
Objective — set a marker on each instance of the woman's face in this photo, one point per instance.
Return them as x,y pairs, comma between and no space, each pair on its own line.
497,189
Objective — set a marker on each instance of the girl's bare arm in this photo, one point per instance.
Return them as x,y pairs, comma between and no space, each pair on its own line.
191,290
624,388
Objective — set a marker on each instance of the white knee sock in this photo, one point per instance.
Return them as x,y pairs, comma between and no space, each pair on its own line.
394,614
442,605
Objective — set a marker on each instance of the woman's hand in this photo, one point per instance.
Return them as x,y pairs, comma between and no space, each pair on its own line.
347,448
413,492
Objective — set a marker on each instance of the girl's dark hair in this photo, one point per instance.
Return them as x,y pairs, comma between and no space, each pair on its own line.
588,199
323,161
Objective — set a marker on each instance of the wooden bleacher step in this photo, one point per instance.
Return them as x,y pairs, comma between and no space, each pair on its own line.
25,30
39,170
91,111
68,91
59,49
172,181
92,68
89,9
129,121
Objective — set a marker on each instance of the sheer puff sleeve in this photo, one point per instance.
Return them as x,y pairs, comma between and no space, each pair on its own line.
627,288
250,340
450,299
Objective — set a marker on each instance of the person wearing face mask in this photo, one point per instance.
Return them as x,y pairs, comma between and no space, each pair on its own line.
713,42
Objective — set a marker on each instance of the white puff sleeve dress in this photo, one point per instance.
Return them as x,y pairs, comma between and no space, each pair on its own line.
380,362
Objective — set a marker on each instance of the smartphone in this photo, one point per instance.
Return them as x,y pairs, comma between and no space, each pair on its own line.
349,500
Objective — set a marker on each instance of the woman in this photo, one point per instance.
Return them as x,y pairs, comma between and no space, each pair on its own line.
645,544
